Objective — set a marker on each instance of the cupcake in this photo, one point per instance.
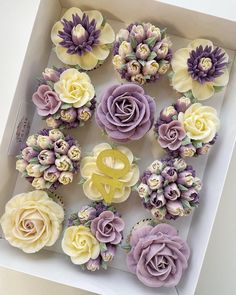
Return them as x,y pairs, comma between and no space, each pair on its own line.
141,53
187,129
49,159
156,254
82,39
169,188
125,112
65,98
109,173
93,235
200,69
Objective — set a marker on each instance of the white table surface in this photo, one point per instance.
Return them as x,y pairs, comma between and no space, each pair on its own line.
219,269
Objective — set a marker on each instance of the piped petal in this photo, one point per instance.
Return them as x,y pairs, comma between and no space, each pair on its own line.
101,52
197,42
202,91
58,26
179,61
107,35
69,59
182,81
73,10
95,14
222,80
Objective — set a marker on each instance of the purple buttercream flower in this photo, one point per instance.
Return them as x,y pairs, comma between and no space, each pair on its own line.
126,112
46,157
61,146
172,192
167,113
108,227
187,150
182,104
171,135
93,264
190,195
51,174
51,75
87,213
186,178
28,153
109,254
158,255
46,101
69,115
169,173
157,200
206,63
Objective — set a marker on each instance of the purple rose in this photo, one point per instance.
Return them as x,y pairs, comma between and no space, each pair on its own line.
61,146
158,255
46,101
171,135
186,178
169,173
172,192
51,174
108,227
190,195
157,200
46,157
29,153
126,112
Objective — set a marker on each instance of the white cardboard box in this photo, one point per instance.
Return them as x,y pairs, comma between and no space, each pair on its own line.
186,25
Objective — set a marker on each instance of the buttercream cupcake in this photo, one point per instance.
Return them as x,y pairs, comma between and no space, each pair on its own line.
157,255
200,69
125,112
169,188
93,235
65,98
82,39
187,129
32,221
109,173
49,159
142,53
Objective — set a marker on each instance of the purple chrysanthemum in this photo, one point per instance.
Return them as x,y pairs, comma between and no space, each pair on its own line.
205,63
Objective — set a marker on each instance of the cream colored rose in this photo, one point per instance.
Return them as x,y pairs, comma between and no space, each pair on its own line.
65,178
63,163
33,170
89,167
32,221
80,244
200,122
125,48
74,88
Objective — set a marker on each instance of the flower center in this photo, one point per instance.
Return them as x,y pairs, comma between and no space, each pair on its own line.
205,63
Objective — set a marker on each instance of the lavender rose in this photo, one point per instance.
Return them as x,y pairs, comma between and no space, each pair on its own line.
46,101
126,112
171,135
107,228
158,255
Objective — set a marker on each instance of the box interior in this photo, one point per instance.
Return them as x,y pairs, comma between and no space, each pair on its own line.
190,228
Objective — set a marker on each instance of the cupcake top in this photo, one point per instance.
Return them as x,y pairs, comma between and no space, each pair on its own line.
200,69
49,159
82,39
109,173
93,235
157,254
187,129
125,112
65,98
141,53
169,188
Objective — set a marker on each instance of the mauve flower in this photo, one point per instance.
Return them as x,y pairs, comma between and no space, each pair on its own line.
158,213
84,114
86,213
175,208
133,67
190,195
93,264
68,115
46,157
46,101
61,146
187,150
142,51
126,112
169,173
204,149
29,153
172,192
155,181
150,68
108,228
182,104
51,174
51,75
171,135
186,178
157,200
109,254
167,113
138,33
158,255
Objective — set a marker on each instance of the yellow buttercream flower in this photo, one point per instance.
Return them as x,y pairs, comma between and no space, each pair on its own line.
200,122
89,167
82,38
32,221
74,88
80,244
200,68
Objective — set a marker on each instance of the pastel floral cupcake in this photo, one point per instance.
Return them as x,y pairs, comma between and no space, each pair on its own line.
157,255
142,53
65,98
93,235
187,129
82,39
32,221
169,188
200,69
125,112
109,173
49,159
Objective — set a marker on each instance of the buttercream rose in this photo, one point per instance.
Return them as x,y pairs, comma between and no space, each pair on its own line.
125,112
32,221
158,255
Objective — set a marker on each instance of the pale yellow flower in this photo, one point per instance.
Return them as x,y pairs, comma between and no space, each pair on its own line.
100,50
80,244
182,80
89,167
200,122
74,88
32,221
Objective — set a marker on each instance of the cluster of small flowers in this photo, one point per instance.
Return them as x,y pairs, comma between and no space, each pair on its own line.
49,159
106,225
141,53
57,113
172,135
169,188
